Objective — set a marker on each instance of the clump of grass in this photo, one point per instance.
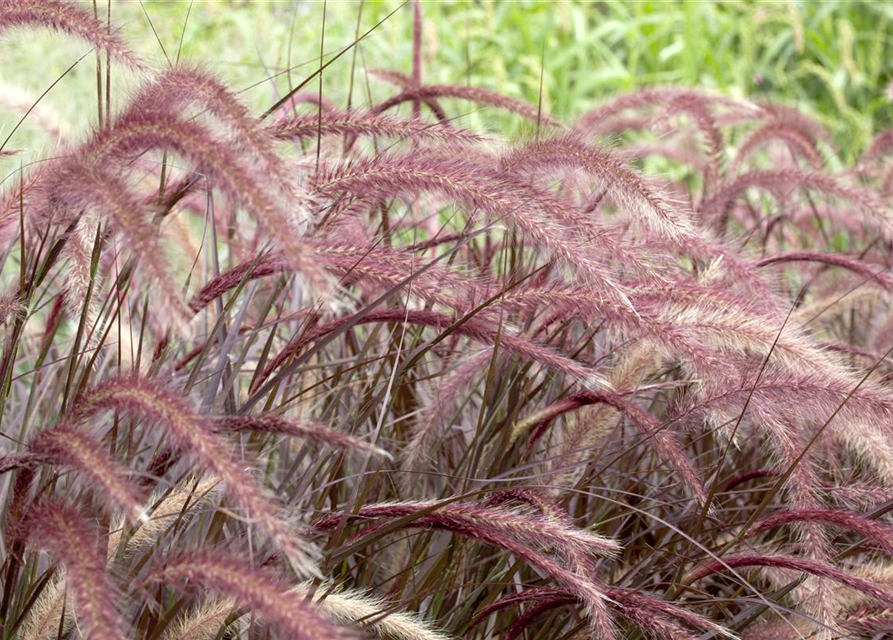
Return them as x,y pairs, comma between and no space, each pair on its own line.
415,382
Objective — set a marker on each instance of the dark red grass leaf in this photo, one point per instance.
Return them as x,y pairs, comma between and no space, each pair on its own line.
879,533
812,567
262,590
746,476
64,532
536,610
516,598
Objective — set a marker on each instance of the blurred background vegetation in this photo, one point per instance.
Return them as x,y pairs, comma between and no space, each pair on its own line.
831,58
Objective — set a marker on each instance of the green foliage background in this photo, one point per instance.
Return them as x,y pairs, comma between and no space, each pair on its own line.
832,58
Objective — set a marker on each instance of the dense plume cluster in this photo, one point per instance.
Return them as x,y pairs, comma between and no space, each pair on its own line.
334,372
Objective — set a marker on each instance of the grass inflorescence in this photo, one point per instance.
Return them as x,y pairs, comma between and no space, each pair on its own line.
336,371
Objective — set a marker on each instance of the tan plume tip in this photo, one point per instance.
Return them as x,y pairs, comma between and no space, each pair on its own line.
348,605
202,622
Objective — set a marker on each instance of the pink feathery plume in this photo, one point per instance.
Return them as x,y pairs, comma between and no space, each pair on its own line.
181,87
472,94
782,183
512,532
535,212
355,124
83,182
67,445
194,434
432,424
649,613
626,187
404,81
795,118
601,118
69,18
673,149
280,425
879,533
64,532
698,110
353,262
812,567
800,144
261,590
417,26
310,98
873,273
225,164
10,305
880,145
